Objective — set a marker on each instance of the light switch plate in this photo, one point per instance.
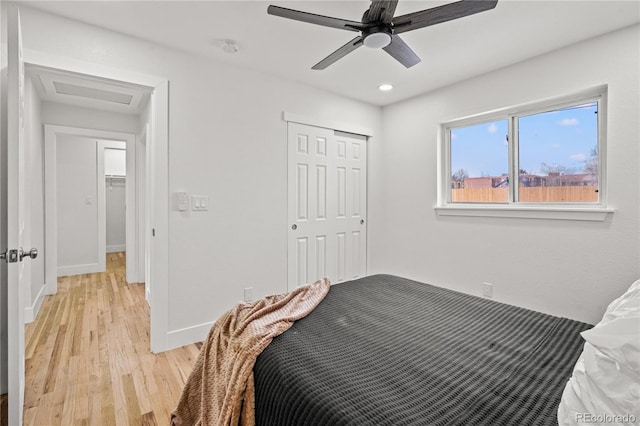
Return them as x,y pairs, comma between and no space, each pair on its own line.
199,202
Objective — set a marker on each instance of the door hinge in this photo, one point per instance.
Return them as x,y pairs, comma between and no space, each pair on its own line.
9,256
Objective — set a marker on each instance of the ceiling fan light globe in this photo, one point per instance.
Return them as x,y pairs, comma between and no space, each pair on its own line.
377,40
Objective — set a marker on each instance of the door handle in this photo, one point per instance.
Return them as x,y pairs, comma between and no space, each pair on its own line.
32,254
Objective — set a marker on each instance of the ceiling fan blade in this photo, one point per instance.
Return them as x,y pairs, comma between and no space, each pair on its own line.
341,52
401,52
437,15
381,10
312,18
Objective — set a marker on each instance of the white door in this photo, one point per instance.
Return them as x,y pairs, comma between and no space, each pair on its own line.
15,208
327,186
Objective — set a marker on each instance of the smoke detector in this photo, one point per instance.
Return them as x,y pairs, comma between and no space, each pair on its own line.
230,46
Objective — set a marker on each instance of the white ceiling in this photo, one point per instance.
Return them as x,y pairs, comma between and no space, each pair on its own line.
450,52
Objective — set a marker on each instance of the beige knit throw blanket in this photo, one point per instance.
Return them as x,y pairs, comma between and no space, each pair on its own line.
219,390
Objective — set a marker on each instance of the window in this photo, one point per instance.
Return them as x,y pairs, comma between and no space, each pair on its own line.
480,163
543,155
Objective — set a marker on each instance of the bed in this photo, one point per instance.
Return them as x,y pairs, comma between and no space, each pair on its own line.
384,350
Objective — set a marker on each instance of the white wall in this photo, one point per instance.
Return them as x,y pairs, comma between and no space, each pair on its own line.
77,204
226,140
566,268
34,137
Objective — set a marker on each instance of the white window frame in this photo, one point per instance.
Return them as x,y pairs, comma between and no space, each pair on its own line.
543,210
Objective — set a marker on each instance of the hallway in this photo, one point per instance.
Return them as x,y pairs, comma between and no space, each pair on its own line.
88,360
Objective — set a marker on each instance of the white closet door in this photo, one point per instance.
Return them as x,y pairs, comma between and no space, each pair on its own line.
327,183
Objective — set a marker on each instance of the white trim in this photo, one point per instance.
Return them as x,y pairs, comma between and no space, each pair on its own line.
510,211
31,312
158,207
327,124
89,268
117,248
188,335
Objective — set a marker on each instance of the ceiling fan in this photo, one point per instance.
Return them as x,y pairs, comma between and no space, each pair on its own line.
379,28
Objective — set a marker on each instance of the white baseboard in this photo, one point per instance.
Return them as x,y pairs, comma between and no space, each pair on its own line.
189,335
90,268
116,248
31,312
147,294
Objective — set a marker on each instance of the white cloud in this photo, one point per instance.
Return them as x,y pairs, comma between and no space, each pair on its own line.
578,157
453,136
492,128
568,122
556,146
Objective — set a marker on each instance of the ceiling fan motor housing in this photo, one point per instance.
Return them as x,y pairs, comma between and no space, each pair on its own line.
377,37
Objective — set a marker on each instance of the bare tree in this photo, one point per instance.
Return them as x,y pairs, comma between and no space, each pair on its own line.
591,165
459,175
555,168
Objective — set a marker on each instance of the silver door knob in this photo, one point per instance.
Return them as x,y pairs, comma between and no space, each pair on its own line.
32,254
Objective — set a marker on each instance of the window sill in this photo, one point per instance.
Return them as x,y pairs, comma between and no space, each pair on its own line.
597,214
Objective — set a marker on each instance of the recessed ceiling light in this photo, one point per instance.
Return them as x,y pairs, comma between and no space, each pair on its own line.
385,87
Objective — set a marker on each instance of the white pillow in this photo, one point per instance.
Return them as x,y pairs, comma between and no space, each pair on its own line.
605,385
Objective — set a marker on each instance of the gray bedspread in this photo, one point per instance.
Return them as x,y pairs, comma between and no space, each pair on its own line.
384,350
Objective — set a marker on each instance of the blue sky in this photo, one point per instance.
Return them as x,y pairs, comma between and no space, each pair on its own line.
563,137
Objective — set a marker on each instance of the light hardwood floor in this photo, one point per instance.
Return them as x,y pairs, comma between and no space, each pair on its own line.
88,360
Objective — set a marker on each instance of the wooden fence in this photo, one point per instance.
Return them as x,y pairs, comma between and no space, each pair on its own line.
527,195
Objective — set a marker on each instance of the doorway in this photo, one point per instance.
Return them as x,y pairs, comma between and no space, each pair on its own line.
150,148
76,189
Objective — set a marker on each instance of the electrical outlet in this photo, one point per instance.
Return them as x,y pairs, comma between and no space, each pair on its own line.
248,294
487,290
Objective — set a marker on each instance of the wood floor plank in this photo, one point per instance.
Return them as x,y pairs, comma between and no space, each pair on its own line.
133,406
148,419
54,362
88,360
